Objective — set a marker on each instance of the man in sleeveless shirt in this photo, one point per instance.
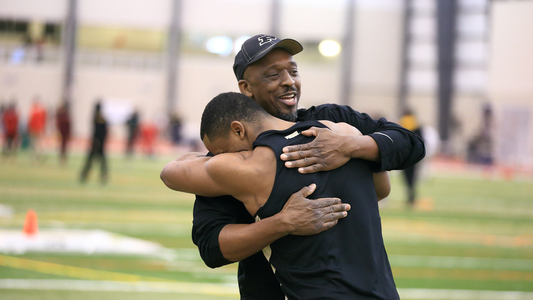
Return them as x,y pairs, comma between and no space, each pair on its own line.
347,261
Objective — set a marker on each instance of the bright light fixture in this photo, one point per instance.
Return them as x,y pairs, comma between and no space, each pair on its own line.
221,45
329,48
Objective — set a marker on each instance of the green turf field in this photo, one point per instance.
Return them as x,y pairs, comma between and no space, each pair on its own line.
470,238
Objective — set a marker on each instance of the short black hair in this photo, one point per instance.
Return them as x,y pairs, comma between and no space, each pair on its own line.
226,108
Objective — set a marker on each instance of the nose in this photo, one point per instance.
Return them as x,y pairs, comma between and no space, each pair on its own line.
286,79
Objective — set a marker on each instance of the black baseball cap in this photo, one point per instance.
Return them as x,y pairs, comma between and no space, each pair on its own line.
256,47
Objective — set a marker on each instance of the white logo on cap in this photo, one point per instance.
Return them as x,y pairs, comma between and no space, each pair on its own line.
265,39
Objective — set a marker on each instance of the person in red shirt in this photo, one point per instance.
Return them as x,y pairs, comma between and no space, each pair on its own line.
149,133
36,127
10,121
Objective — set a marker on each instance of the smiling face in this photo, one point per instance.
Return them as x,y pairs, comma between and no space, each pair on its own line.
274,83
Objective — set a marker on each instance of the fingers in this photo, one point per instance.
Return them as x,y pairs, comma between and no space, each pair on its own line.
301,162
313,131
313,216
312,169
295,149
307,190
299,158
329,202
305,165
328,225
332,219
335,216
340,208
344,207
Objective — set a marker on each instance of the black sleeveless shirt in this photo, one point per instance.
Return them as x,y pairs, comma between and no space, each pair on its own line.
347,261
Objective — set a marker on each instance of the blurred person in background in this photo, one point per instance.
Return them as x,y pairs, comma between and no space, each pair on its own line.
480,146
223,229
177,131
410,174
97,150
2,109
10,123
175,126
36,128
148,138
63,125
132,126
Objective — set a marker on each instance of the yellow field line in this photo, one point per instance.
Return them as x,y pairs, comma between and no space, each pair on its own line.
70,271
85,273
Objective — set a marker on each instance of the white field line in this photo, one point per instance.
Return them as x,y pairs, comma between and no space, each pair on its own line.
120,286
434,294
225,290
471,263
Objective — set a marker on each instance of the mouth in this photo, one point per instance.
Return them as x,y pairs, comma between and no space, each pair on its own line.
289,99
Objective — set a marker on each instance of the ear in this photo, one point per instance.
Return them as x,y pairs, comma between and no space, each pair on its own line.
245,88
238,129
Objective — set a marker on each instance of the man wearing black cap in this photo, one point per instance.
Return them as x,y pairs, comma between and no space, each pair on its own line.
225,232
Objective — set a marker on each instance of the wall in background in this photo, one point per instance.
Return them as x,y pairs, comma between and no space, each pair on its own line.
376,64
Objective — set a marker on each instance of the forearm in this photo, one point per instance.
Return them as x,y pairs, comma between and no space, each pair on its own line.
239,241
362,147
170,171
190,174
399,148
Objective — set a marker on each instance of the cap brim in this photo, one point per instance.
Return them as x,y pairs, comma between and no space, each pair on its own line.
292,46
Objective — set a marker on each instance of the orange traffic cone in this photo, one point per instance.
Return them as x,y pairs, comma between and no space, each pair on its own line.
30,224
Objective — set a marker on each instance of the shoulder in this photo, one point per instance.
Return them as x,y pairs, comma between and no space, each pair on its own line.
234,165
329,111
318,108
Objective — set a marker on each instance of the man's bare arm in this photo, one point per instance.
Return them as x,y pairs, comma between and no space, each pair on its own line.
189,173
300,216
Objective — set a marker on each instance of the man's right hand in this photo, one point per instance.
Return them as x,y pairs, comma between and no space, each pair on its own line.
306,217
299,216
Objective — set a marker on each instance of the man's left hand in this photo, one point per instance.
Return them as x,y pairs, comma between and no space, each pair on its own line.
328,151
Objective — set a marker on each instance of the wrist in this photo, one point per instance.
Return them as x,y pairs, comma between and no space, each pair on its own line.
352,146
363,147
283,225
